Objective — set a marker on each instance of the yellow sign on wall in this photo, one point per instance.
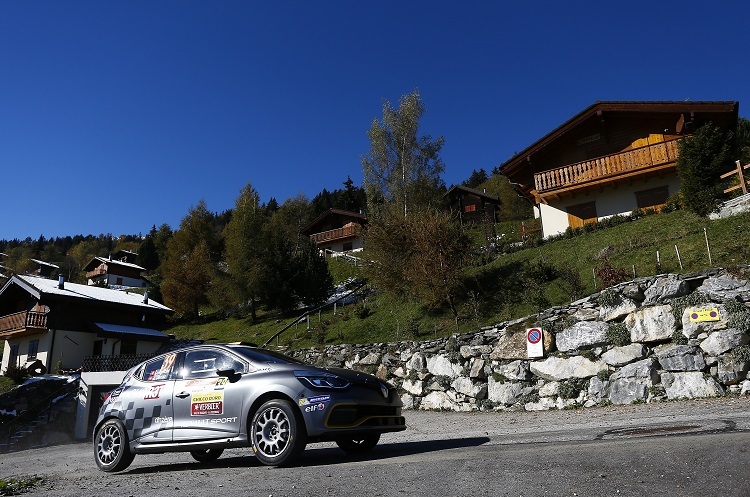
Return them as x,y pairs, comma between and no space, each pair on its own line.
698,316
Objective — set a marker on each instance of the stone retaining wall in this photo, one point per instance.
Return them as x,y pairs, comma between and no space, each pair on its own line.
635,342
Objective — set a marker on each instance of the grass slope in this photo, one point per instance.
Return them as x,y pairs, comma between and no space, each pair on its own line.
511,286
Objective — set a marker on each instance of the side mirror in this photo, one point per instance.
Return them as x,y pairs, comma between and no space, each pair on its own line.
230,374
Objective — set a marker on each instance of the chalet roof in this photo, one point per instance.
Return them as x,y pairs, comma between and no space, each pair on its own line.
331,212
599,107
122,331
42,263
97,260
472,191
40,287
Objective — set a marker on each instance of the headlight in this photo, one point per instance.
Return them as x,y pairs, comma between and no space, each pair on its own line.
384,390
321,380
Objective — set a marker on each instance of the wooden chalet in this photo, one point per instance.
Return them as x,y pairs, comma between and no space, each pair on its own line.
336,231
609,159
116,271
473,205
70,325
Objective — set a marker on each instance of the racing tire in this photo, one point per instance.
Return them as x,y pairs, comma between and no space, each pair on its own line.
359,444
206,455
277,435
111,450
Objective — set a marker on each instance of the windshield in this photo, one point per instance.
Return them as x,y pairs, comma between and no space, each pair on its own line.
265,356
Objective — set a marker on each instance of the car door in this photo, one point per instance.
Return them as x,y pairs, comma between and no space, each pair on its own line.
207,405
148,406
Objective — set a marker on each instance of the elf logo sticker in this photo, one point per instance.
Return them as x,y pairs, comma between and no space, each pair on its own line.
316,407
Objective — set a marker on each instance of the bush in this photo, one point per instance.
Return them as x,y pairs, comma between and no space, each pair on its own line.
18,375
610,298
702,158
618,334
679,304
6,384
741,353
608,274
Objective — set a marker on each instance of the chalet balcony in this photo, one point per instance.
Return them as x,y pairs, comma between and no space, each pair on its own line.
21,321
96,272
337,234
651,157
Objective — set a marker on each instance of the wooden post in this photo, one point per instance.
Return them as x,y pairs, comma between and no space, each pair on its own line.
679,259
708,248
658,262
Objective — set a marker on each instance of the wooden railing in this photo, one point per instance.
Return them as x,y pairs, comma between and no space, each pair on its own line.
96,272
22,320
608,165
325,236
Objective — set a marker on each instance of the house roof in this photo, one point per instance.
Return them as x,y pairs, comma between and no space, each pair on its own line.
472,191
310,228
598,108
42,263
96,260
122,331
42,287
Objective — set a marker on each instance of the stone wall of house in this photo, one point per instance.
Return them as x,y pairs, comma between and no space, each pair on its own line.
634,342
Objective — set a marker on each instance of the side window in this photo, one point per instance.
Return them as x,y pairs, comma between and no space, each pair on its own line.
204,363
160,369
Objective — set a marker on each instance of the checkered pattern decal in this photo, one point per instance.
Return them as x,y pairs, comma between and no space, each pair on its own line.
138,421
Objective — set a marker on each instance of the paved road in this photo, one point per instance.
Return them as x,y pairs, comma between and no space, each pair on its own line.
692,448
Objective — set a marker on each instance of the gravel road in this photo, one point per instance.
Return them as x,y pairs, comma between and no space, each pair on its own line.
675,448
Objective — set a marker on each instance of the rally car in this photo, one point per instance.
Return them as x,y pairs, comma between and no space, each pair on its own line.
207,398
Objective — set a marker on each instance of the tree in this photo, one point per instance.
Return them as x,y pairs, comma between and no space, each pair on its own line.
513,206
742,141
419,257
292,269
402,168
193,253
476,178
243,240
702,158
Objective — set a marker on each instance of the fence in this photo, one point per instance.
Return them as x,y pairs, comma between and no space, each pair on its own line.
738,172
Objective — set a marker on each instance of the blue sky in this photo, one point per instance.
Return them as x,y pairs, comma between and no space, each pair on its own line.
115,116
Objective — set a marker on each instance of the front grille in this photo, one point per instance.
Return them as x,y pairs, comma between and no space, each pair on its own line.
349,416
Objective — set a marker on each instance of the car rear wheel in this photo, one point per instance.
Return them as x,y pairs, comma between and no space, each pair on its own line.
359,444
206,455
111,449
278,436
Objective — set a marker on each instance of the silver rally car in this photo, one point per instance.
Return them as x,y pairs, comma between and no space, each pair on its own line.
207,398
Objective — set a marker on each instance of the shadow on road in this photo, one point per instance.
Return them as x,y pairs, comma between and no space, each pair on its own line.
312,457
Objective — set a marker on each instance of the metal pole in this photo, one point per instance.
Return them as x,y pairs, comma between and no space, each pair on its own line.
708,248
593,271
658,262
679,259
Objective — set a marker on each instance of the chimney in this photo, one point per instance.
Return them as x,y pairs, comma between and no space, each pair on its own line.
145,297
61,282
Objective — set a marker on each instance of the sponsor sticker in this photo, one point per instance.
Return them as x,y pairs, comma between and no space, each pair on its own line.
306,401
315,407
153,392
206,403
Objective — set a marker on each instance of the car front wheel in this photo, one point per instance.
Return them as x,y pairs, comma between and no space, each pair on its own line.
111,449
359,444
277,436
206,455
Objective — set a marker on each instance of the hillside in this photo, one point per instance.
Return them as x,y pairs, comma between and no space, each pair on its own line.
512,285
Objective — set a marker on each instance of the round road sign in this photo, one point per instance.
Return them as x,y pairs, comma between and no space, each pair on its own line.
534,335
